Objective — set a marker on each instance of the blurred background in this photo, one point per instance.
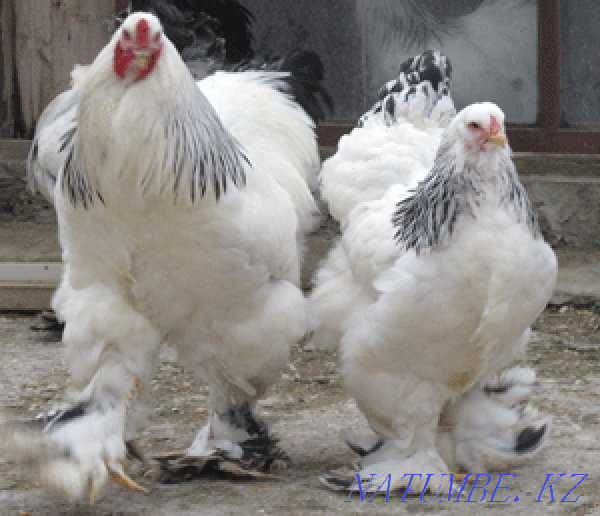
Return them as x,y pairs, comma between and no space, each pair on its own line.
538,59
495,47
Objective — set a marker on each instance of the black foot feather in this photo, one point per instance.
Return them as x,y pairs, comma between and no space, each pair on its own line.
529,439
337,483
363,452
260,455
50,327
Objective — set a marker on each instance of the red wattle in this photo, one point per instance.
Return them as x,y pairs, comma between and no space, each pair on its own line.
123,59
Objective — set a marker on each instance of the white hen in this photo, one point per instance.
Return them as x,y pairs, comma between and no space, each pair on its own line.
431,291
181,213
395,144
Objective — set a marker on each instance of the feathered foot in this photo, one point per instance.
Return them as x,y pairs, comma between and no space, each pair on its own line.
364,447
383,459
75,451
492,427
246,449
50,326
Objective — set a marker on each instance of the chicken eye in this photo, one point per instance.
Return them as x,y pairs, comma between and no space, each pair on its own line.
474,125
126,34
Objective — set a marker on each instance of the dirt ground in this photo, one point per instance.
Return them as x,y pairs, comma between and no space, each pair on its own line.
308,409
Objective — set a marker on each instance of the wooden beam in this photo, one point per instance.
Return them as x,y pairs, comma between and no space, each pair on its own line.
522,139
566,141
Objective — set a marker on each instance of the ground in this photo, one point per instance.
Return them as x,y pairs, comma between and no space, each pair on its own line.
308,409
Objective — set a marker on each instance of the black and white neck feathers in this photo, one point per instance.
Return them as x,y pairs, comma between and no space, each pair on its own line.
452,190
161,135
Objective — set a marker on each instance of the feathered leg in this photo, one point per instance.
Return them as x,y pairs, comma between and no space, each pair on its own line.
240,360
233,442
111,350
403,410
491,427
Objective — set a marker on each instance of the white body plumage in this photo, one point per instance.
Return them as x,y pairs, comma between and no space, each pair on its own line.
370,159
425,313
181,217
183,265
395,142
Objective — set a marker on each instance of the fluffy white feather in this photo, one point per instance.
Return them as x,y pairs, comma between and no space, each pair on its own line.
275,126
396,141
493,428
47,153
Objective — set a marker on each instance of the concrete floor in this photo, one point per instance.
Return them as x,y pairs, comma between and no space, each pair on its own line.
308,409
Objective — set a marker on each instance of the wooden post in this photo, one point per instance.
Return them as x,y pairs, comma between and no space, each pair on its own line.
7,72
41,42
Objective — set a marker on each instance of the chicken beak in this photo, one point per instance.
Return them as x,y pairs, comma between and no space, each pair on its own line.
498,139
142,61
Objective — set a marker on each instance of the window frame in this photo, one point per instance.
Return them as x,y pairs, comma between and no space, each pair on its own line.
546,135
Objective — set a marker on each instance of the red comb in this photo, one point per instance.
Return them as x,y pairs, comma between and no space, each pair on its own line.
142,33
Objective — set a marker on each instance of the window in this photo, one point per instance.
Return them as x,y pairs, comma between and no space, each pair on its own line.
538,59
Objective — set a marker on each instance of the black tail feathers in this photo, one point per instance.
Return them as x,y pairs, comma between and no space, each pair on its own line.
193,25
304,83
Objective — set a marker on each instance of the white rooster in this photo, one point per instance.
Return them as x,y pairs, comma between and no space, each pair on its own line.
182,209
430,292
